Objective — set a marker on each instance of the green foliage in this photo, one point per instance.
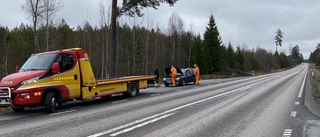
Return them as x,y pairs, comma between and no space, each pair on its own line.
65,35
230,57
315,55
278,38
254,65
296,56
197,54
240,59
134,7
21,45
212,48
284,60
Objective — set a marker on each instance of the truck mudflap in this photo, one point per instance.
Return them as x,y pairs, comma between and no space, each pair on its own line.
5,97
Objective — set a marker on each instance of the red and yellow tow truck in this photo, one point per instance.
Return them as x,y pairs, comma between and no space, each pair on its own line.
49,79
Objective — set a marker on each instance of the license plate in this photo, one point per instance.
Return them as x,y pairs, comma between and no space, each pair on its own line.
2,101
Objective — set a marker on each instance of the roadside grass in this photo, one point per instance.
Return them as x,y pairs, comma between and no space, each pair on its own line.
315,80
2,110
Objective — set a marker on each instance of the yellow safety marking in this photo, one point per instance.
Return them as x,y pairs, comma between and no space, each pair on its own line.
124,80
63,78
76,48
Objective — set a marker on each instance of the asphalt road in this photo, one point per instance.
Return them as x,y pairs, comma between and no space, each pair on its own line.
260,106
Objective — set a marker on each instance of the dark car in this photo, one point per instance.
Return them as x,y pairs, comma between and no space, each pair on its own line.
184,75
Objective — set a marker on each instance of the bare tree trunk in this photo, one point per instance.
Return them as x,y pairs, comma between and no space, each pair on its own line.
35,36
36,13
113,46
189,57
107,49
47,31
50,8
104,20
5,56
147,53
178,50
155,51
134,52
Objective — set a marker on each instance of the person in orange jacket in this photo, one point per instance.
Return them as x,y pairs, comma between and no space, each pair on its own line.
197,73
173,75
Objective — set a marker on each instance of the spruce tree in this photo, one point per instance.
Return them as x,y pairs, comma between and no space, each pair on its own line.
230,56
213,48
240,59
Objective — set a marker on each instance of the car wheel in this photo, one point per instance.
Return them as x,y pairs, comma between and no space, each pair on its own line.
183,83
166,84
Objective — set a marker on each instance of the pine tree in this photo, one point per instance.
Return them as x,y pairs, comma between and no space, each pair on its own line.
278,39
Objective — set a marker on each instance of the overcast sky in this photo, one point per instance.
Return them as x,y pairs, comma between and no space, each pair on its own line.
242,22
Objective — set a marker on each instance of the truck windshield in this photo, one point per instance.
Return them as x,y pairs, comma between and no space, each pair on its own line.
38,62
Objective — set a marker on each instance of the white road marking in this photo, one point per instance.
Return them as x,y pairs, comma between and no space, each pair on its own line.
120,101
301,88
168,111
154,95
69,111
287,133
297,103
293,113
141,125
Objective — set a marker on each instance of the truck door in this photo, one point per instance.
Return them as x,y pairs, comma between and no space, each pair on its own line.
69,73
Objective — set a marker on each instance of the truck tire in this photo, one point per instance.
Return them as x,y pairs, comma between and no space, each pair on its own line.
50,102
133,90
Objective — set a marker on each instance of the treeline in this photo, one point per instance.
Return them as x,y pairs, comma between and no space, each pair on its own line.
140,50
315,56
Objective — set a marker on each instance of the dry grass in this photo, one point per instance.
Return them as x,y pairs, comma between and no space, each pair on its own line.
315,80
2,110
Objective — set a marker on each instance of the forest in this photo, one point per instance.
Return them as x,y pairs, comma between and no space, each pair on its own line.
141,48
315,56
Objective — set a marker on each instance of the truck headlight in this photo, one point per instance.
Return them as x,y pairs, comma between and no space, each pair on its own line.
30,81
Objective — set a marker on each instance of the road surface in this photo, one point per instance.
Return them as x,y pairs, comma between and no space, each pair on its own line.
260,106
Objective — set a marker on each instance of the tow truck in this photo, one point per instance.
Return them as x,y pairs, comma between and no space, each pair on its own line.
49,79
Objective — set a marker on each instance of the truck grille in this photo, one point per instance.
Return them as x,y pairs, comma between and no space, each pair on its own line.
5,96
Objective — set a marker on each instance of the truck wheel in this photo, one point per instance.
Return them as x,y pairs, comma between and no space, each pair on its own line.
17,109
50,102
133,90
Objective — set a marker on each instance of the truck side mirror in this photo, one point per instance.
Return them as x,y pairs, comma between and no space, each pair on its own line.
17,69
55,69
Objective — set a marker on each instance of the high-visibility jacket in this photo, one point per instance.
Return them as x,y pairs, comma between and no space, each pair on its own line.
173,71
196,71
